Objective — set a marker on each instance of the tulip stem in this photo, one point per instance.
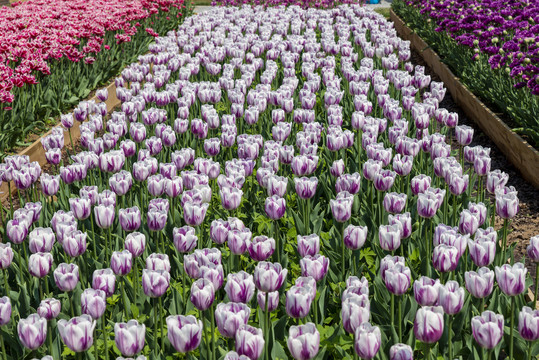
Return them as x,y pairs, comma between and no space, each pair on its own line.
10,198
40,289
450,337
184,286
124,297
392,311
277,240
266,325
536,286
204,331
6,283
504,241
161,320
3,347
49,338
427,351
530,348
400,321
155,325
212,318
512,328
135,280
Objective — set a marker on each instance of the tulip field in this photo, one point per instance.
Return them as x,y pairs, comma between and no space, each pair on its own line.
279,182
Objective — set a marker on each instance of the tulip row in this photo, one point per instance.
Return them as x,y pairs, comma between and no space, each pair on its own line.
55,53
359,238
325,4
485,43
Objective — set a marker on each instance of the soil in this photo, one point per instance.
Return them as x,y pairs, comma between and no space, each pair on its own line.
526,223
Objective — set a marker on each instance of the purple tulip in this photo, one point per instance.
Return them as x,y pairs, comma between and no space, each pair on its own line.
354,236
468,223
367,341
275,207
184,239
480,283
276,185
17,230
506,204
337,168
451,297
156,219
93,302
158,262
135,243
487,329
39,264
77,333
511,279
66,276
445,258
155,282
219,231
230,197
184,332
528,324
384,179
104,216
303,341
129,337
304,165
240,287
32,331
305,186
315,266
249,341
273,300
237,240
496,179
532,250
74,243
298,301
348,182
268,276
194,214
394,203
341,209
260,247
121,262
355,311
104,279
5,310
401,352
230,316
482,251
404,221
40,240
397,279
357,286
389,236
6,255
426,291
130,218
427,205
202,294
429,324
308,245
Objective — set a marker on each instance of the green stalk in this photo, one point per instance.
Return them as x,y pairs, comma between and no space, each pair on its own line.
504,242
3,347
71,305
135,280
277,240
212,318
161,320
427,356
103,325
536,285
400,322
10,198
49,338
512,328
266,327
155,325
6,283
203,318
124,297
392,310
450,340
530,347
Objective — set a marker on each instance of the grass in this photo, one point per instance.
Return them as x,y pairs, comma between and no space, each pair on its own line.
383,11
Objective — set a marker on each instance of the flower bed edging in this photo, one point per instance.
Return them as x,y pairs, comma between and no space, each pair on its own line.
36,152
521,154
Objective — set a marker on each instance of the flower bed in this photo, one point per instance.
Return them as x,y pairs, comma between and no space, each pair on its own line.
302,3
270,146
54,53
488,46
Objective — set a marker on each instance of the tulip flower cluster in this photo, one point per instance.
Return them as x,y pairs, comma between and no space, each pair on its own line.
278,182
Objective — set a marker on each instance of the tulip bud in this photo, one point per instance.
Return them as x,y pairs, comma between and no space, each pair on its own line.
104,279
303,341
184,332
368,339
155,282
230,316
451,297
401,352
32,331
39,264
511,279
487,329
77,333
249,341
429,324
129,337
426,291
93,302
5,310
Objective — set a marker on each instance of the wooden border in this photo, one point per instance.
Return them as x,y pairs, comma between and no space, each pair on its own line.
521,154
36,151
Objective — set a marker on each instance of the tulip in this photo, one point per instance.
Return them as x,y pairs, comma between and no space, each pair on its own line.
237,240
355,311
275,207
74,244
426,291
130,218
303,341
77,333
121,262
184,332
429,324
451,297
276,185
81,207
496,179
66,276
93,303
427,205
155,282
528,324
315,266
202,294
367,342
511,279
468,223
397,279
308,245
32,331
260,247
298,301
240,287
384,179
482,251
420,183
5,310
480,283
230,316
273,300
341,209
268,276
184,239
49,308
135,243
389,236
401,352
445,258
158,262
104,279
17,230
39,264
230,197
194,214
219,231
129,337
249,341
394,203
506,204
6,255
487,329
40,240
156,219
354,237
104,216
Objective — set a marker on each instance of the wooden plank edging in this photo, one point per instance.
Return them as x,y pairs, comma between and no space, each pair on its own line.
36,151
521,154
